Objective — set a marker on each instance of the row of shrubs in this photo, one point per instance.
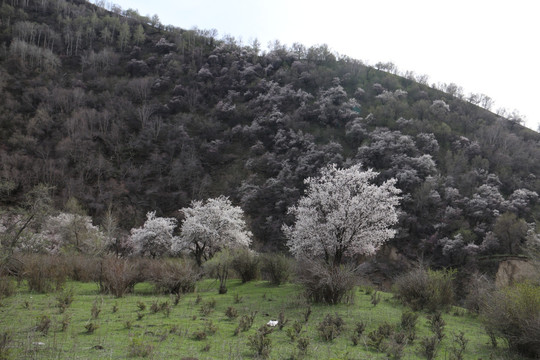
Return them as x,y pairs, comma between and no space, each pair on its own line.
511,313
118,276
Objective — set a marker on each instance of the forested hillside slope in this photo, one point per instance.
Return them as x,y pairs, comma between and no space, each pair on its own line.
120,112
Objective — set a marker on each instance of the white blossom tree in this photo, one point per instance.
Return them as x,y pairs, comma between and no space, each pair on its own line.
342,214
211,226
155,237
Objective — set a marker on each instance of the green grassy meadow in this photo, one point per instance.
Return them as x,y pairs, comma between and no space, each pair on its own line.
126,330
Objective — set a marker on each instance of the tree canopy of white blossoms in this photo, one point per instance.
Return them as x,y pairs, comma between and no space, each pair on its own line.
211,226
342,214
66,232
155,238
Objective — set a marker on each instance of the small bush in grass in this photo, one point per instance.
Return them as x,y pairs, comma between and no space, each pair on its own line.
479,290
426,289
276,268
200,335
458,346
307,313
377,338
437,324
165,307
260,343
44,273
325,283
246,264
128,325
43,324
330,327
246,321
282,321
237,298
154,307
359,329
231,312
409,320
429,346
294,330
96,309
138,347
141,305
176,298
66,319
5,341
375,298
173,276
210,327
119,276
395,346
7,287
64,299
302,345
207,307
83,268
91,327
513,313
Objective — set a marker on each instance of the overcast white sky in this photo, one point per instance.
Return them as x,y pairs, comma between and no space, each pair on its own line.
489,47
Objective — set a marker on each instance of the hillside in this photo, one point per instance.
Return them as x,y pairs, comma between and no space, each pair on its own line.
119,111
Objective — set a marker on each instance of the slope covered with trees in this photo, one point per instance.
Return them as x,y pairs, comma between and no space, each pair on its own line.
129,116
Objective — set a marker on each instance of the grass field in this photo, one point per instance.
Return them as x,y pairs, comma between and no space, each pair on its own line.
145,325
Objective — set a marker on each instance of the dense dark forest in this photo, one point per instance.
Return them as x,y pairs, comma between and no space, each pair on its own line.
127,116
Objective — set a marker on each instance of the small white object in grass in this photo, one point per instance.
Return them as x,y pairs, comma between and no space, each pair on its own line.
272,323
38,343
